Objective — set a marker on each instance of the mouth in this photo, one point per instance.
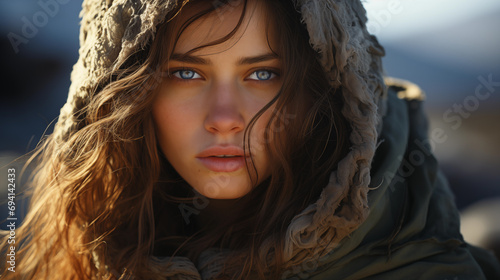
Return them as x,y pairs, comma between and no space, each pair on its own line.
223,158
223,163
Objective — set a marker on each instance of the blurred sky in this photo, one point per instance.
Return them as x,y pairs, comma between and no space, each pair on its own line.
425,15
444,46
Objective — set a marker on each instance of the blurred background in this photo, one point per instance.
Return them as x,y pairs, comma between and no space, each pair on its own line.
451,49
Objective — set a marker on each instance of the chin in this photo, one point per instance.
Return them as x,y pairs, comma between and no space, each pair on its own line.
223,186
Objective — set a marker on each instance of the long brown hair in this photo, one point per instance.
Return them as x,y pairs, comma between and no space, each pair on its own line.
94,211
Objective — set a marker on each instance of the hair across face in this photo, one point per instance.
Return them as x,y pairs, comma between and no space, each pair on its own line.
210,96
280,109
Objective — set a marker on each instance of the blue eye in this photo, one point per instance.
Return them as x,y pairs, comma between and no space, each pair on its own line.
186,74
262,75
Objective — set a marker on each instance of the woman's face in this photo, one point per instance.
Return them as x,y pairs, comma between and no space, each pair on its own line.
203,108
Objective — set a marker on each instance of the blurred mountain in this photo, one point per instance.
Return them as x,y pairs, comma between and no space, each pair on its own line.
447,62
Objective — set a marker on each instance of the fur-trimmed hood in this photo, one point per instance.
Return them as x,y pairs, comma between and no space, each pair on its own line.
112,30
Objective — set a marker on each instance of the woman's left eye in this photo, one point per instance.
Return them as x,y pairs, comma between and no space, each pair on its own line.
262,75
186,74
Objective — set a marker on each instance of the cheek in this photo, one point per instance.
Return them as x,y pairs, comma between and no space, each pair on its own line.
264,133
171,123
258,135
260,138
267,138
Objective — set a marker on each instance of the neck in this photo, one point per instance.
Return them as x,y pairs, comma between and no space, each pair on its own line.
218,213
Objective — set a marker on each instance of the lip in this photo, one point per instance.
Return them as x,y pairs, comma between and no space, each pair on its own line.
230,164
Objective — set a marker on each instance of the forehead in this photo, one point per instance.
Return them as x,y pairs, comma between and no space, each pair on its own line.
220,22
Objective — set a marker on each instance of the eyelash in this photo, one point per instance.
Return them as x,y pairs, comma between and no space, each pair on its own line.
273,72
181,70
175,71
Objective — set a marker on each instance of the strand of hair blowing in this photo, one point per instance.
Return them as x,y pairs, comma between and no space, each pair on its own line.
92,194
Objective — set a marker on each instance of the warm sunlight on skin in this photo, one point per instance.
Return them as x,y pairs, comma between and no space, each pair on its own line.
202,110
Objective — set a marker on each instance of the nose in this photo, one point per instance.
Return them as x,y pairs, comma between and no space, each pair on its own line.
224,115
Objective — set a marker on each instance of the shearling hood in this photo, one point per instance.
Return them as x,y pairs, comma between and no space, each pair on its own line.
112,30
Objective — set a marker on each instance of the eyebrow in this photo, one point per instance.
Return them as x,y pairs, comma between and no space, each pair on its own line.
187,58
258,58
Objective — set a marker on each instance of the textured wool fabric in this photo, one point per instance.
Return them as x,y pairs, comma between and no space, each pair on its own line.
113,30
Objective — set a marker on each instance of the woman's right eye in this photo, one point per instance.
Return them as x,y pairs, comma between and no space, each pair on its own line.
186,74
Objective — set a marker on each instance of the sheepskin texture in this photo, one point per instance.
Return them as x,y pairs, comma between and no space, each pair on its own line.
114,29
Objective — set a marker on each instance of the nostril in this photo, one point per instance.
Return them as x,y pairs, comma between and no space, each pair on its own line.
224,122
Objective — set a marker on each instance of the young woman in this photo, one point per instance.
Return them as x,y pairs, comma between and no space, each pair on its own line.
238,140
